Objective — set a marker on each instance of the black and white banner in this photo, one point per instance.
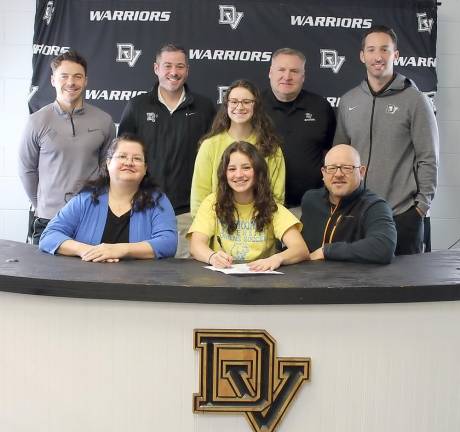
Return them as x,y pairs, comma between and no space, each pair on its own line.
225,41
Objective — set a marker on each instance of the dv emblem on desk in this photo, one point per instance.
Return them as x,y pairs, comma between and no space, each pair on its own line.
239,372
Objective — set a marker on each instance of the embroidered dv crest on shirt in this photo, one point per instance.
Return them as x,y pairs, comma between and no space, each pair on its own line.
309,117
152,117
391,109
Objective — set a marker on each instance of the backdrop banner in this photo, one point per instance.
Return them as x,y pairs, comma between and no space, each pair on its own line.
225,41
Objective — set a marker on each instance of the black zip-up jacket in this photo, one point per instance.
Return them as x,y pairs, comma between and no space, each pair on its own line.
171,139
307,127
359,229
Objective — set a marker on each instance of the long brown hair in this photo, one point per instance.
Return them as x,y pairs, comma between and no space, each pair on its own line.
267,140
264,202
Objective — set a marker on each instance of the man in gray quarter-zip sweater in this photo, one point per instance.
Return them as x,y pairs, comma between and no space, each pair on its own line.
62,143
392,125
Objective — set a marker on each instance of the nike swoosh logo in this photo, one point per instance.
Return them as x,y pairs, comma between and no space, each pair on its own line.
189,114
352,108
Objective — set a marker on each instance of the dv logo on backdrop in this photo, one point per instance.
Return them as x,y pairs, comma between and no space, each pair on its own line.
221,91
127,54
33,89
430,95
229,15
49,11
333,101
330,59
424,23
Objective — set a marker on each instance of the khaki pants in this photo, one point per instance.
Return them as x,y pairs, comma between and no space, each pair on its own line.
183,224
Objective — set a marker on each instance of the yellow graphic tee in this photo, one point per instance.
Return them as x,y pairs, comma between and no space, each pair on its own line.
246,243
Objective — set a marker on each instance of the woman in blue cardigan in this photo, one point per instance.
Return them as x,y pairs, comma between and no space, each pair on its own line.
119,215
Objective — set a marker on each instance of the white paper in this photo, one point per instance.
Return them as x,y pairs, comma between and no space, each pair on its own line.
241,269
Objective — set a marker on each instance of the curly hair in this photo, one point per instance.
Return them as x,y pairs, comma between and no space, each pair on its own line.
264,202
267,140
147,194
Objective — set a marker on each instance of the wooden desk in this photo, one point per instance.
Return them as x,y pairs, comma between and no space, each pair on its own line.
84,354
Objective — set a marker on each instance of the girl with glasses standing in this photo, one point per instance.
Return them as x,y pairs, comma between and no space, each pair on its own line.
119,215
240,117
242,221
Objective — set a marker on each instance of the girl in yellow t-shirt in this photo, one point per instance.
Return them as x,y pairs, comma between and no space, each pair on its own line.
241,221
240,117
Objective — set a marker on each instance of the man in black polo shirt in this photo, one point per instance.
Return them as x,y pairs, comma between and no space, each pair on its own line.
171,119
304,120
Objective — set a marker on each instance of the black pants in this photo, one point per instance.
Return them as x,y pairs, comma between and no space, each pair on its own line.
38,226
410,229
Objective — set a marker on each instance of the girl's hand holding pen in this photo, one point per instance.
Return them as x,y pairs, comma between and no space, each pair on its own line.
220,259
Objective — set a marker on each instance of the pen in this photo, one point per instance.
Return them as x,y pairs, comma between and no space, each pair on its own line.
222,248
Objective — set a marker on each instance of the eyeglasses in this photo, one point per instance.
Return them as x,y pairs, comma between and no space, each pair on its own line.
124,158
346,169
245,103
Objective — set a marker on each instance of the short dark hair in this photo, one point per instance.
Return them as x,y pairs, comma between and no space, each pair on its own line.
380,29
126,136
289,51
148,193
171,47
72,56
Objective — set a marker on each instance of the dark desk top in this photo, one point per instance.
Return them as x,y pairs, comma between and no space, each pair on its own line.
425,277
